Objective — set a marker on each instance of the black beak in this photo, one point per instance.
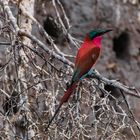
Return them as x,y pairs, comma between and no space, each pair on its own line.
104,31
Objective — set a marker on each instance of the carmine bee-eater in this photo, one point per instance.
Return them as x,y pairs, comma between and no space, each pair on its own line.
86,58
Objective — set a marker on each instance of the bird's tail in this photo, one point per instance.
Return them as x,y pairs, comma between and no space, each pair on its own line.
63,100
67,94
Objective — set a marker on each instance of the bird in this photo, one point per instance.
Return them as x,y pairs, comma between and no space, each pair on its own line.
86,58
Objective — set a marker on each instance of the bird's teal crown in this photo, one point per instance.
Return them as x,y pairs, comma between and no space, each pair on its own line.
97,32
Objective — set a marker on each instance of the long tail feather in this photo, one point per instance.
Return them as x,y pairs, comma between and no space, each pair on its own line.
68,93
56,112
63,100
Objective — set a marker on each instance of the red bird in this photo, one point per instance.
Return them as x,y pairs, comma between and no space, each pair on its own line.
86,58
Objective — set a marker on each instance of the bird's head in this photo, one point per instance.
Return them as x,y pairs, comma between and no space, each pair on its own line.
97,32
96,36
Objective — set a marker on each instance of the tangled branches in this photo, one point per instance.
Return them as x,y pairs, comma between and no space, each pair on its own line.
33,78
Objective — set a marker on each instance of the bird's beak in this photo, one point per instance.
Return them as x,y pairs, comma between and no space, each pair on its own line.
104,31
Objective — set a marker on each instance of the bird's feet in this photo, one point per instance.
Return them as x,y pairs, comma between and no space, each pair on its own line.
91,73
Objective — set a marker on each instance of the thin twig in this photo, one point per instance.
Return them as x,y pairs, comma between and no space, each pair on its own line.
131,113
7,95
5,43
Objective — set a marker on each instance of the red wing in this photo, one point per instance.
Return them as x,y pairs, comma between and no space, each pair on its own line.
85,59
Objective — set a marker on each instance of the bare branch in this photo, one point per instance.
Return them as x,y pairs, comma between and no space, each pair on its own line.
7,95
5,43
44,47
128,90
10,15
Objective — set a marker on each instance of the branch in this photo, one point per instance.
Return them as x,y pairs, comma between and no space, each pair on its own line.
71,39
5,43
44,47
131,113
10,15
7,95
116,84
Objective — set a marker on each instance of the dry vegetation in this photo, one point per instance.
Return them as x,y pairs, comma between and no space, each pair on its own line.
34,74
